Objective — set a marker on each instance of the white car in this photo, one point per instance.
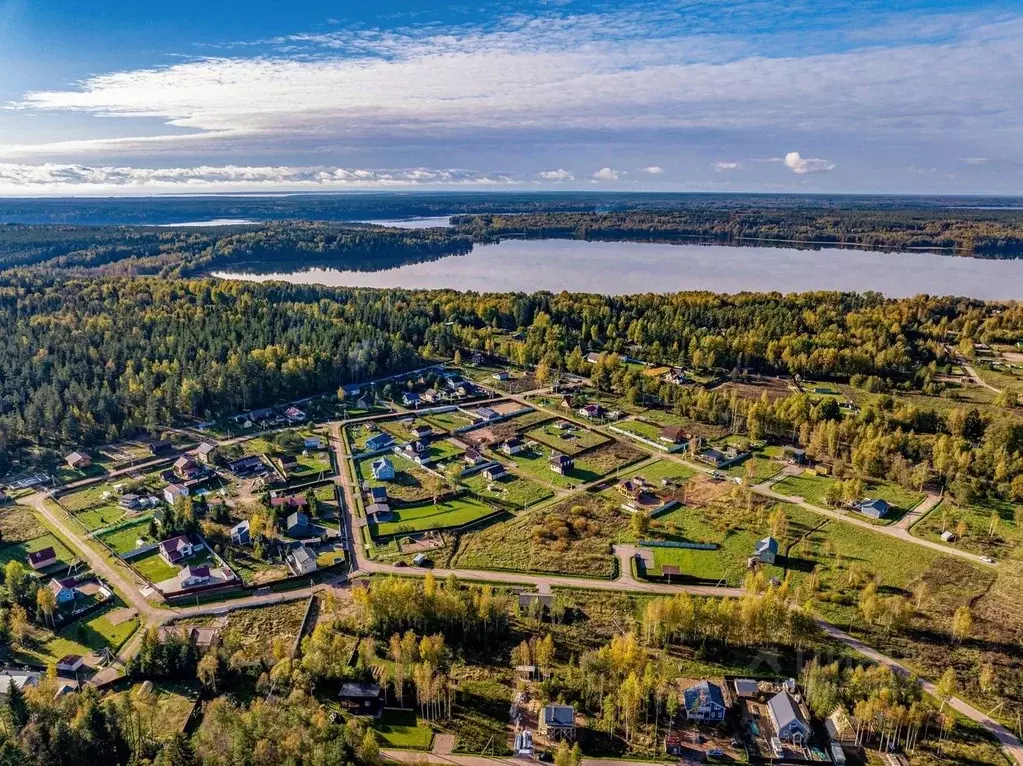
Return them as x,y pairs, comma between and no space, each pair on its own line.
987,559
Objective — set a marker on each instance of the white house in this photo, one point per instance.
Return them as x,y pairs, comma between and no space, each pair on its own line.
301,560
174,492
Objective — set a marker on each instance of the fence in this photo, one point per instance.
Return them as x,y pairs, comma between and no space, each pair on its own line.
679,544
646,441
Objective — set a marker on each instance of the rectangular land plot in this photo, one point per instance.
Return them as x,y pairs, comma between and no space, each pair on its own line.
570,442
977,516
446,514
18,551
128,537
410,483
512,492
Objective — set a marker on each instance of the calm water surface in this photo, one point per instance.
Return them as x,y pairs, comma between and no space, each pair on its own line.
617,268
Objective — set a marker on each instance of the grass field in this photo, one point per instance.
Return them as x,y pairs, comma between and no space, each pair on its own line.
254,630
1003,543
448,513
410,482
662,469
447,421
810,487
402,729
442,449
19,551
126,538
100,516
311,466
573,537
813,488
93,634
514,491
173,703
571,443
648,431
154,568
758,468
664,418
19,524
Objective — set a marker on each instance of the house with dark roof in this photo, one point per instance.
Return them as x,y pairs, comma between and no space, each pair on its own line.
484,413
410,399
790,721
379,441
42,558
561,464
421,431
70,663
591,411
241,533
766,550
473,458
297,502
175,549
186,468
513,446
383,469
673,435
205,452
63,590
494,472
362,699
247,465
704,702
174,492
378,513
194,577
377,494
557,722
159,447
297,525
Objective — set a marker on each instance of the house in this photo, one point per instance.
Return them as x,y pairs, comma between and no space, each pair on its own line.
704,702
673,435
297,525
746,688
70,663
362,699
795,455
494,472
312,442
513,446
378,513
287,461
631,488
366,401
294,414
875,509
175,549
415,451
791,724
206,452
78,460
421,431
410,399
186,468
301,560
472,458
476,358
174,492
21,678
377,494
289,501
419,560
557,722
241,533
484,413
42,558
431,396
247,465
592,358
159,447
591,411
63,590
561,464
501,375
383,469
766,551
378,442
193,577
840,726
568,401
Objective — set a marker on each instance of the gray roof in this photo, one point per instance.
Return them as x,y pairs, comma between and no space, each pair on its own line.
559,715
785,710
702,693
767,544
19,678
240,527
301,553
360,691
297,519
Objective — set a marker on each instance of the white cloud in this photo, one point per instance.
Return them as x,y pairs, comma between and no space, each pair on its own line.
802,165
975,160
725,165
654,170
559,175
54,178
606,174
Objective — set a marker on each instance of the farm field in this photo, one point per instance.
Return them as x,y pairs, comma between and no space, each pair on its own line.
572,443
514,491
573,537
977,517
448,513
410,483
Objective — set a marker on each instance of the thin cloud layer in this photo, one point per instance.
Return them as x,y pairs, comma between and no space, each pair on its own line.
558,176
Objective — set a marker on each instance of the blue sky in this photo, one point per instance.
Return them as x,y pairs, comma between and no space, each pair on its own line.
112,97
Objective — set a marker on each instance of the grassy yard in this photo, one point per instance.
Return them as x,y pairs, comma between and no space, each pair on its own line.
18,524
442,449
315,464
100,516
665,418
154,568
402,729
254,630
127,538
18,551
447,421
93,634
1007,535
514,491
808,486
588,467
570,443
448,513
573,537
813,488
410,483
642,428
662,469
173,702
758,469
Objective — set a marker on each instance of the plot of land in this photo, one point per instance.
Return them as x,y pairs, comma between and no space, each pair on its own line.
447,421
130,536
756,469
446,514
100,516
410,483
1001,542
813,489
154,568
569,442
641,428
402,729
253,630
810,487
92,634
19,551
172,701
574,537
513,492
19,524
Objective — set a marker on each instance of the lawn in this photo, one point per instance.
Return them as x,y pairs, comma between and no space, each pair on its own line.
642,428
571,443
1007,536
448,513
410,483
813,488
92,634
665,418
402,729
447,421
662,469
173,701
809,486
154,568
100,516
127,538
900,498
314,465
19,551
442,449
757,469
515,492
573,537
588,467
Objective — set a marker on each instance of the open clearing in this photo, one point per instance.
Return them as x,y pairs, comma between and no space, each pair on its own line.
445,514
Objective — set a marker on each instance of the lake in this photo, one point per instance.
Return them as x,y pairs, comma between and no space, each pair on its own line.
617,268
